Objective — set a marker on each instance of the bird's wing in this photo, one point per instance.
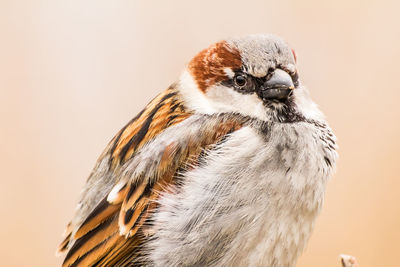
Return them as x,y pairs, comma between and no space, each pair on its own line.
142,161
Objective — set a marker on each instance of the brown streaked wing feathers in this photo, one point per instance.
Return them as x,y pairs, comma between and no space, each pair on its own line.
129,139
102,211
98,240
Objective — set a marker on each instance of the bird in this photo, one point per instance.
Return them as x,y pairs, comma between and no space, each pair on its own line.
226,167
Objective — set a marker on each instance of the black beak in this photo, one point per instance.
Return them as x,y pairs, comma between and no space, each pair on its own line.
278,87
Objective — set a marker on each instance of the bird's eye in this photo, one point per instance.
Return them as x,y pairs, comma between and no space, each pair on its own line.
240,80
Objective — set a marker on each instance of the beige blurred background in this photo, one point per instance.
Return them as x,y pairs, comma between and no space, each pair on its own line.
72,73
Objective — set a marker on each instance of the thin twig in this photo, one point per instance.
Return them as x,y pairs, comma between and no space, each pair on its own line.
348,261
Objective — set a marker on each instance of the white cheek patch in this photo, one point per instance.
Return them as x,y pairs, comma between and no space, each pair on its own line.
194,99
225,99
305,104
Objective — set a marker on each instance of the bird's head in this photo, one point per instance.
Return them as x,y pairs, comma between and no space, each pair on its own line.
254,75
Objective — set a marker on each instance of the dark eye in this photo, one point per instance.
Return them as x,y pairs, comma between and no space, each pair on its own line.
240,80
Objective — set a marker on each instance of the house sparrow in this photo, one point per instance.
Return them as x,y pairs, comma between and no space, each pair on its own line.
227,167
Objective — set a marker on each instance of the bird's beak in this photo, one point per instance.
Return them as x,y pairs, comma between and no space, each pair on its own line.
278,87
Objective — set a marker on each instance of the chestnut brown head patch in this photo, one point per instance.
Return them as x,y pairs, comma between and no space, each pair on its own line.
208,66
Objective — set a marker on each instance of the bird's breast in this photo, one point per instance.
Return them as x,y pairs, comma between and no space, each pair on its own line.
252,201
